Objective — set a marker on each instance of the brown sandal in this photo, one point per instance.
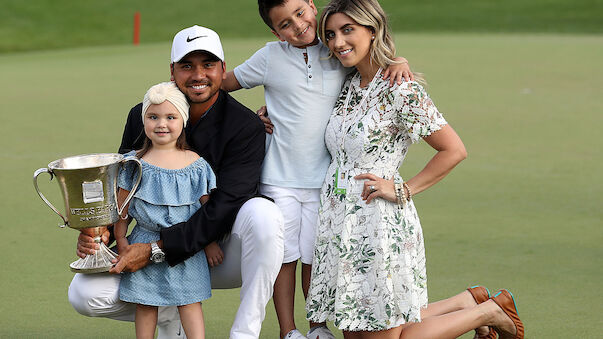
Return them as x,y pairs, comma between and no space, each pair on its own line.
504,299
481,294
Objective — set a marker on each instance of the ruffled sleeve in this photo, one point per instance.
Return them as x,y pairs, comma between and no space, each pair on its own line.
127,173
210,177
416,112
176,187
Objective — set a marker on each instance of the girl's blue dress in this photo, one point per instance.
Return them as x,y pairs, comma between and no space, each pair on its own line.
164,198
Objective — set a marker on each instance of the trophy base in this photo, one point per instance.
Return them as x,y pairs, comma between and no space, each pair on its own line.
95,263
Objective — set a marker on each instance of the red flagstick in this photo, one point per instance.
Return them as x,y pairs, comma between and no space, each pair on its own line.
136,28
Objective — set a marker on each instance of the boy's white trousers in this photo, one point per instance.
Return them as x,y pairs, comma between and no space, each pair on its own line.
253,255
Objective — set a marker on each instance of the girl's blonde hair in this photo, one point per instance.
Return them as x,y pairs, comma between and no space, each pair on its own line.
369,14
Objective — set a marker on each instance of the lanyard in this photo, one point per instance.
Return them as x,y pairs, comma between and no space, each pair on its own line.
357,108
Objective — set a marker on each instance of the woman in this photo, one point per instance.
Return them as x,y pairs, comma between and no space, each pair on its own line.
368,271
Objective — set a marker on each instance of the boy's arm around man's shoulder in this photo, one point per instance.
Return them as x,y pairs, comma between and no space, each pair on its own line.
250,73
231,83
253,70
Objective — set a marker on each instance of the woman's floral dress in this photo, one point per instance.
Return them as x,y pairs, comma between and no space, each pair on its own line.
368,272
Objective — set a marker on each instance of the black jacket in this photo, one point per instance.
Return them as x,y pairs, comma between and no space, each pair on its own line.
231,139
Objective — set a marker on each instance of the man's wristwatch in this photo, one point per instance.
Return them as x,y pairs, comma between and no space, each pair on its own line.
157,255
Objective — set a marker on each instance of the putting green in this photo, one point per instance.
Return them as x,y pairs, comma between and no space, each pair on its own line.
523,212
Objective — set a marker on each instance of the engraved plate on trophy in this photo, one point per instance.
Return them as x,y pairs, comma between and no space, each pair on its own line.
93,191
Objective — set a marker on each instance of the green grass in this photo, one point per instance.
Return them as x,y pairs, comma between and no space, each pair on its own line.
522,212
48,24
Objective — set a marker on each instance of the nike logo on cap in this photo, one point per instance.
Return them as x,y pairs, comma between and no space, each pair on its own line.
189,39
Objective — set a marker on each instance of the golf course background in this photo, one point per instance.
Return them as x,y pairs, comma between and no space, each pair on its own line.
519,81
43,24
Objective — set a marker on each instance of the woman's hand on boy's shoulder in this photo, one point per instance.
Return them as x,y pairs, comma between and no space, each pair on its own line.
395,72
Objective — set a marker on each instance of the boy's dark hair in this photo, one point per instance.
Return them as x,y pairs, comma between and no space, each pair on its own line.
264,7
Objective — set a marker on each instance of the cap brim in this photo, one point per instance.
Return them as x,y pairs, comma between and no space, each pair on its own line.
198,50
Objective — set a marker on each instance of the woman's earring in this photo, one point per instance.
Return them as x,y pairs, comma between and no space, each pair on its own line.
373,37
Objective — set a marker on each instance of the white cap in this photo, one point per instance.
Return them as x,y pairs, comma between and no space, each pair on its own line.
196,38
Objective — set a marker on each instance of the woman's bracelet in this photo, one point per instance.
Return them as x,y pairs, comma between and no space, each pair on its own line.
399,194
407,193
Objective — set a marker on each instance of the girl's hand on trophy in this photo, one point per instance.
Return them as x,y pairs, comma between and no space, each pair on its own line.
105,235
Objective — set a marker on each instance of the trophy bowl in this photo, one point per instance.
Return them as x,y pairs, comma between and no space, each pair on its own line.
88,184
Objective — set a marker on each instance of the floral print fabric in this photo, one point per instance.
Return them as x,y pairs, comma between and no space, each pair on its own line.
368,269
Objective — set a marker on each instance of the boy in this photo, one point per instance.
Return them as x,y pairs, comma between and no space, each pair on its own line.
301,86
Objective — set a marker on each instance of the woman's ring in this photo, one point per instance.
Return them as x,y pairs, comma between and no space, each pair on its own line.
372,188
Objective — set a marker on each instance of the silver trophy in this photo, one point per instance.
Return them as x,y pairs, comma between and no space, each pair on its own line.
89,187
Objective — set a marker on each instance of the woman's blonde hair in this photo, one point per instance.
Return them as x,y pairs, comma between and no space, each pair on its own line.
369,14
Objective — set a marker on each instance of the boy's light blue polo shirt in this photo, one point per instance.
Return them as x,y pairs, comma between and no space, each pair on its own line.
299,97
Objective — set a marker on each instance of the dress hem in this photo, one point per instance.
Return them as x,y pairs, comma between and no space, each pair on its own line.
175,303
329,317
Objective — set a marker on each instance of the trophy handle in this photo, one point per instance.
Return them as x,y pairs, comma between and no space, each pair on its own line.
134,188
35,182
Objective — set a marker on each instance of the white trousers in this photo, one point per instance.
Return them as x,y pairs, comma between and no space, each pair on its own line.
300,212
253,255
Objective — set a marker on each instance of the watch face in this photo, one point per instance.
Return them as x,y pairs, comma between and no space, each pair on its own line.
157,257
157,254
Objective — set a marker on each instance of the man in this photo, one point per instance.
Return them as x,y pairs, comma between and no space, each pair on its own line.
231,139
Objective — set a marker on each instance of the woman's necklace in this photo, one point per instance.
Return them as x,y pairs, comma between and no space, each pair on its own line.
341,176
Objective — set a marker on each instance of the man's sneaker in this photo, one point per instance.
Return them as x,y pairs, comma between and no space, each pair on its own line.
294,334
320,332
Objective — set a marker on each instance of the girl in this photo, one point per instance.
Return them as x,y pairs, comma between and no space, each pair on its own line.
368,271
175,182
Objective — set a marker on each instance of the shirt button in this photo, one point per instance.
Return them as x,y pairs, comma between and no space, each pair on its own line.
309,66
310,76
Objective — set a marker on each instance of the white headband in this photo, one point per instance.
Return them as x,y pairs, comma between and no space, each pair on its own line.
162,92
